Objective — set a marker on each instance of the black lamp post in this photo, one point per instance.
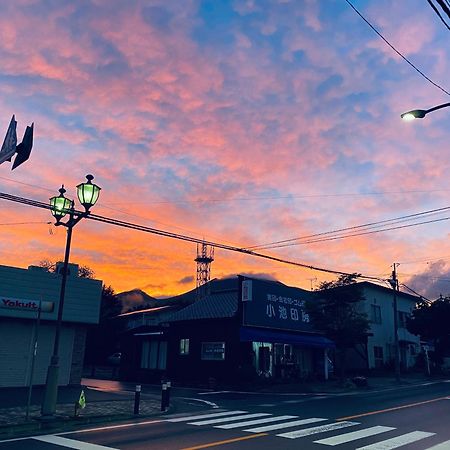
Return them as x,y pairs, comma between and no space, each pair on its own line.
61,206
421,113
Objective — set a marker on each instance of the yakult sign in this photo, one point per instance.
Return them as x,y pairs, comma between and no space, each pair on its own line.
26,305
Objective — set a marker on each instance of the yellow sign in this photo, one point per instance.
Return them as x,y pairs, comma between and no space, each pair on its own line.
82,400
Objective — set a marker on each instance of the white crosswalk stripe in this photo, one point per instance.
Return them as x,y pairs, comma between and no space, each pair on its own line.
442,446
280,426
354,435
314,430
264,422
255,422
398,441
228,419
204,416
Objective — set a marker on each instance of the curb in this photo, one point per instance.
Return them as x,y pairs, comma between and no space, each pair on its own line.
22,430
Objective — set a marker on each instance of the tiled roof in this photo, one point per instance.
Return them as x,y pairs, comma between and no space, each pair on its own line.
214,306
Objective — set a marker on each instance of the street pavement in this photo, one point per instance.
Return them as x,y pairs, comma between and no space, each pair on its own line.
409,416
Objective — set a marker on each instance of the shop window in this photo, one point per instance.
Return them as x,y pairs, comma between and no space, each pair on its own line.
264,359
213,351
184,346
375,313
378,356
154,355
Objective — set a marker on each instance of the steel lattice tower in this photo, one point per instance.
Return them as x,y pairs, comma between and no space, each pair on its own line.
205,256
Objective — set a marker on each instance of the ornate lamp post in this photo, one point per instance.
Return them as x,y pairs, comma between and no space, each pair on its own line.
61,206
421,113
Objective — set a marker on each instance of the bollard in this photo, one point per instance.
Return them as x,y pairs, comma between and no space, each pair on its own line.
169,385
163,396
137,398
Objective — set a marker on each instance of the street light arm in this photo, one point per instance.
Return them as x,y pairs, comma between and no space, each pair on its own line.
421,113
444,105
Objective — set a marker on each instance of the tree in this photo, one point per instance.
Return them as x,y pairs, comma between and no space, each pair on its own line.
83,271
335,311
431,321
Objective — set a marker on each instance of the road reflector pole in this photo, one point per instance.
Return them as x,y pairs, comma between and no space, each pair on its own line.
137,399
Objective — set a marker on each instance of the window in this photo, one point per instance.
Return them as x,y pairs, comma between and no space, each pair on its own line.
213,351
402,318
375,313
184,346
154,355
378,356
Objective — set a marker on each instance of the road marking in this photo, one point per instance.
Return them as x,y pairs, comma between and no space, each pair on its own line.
70,443
110,427
204,416
267,405
255,422
354,435
279,426
314,430
398,441
213,392
228,419
228,441
442,446
200,400
395,408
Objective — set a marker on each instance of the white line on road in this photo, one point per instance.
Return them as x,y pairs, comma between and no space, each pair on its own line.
70,443
442,446
228,419
110,427
255,422
398,441
354,435
314,430
279,426
204,416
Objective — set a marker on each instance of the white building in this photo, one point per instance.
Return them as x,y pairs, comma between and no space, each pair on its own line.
380,351
22,291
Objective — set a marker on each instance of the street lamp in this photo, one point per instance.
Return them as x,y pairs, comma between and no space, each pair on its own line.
421,113
61,206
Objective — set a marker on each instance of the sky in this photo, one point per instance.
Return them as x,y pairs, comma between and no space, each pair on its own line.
242,122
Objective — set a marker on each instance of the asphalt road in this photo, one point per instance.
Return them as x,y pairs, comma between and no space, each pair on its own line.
413,418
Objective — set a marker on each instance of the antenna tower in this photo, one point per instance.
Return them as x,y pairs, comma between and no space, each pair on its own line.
205,256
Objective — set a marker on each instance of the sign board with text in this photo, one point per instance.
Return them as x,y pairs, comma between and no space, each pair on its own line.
273,305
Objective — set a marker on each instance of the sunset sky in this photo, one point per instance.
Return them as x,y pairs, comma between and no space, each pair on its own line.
242,122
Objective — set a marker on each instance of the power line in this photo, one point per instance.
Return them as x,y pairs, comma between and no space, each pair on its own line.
363,233
355,227
158,232
395,50
438,13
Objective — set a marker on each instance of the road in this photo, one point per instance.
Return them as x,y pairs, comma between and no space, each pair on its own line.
411,417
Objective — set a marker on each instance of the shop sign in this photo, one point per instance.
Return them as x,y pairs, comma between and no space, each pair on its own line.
276,306
26,305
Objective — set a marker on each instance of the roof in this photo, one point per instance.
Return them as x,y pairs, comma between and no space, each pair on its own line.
217,305
146,311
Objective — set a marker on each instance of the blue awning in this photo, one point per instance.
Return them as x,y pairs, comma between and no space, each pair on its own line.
280,337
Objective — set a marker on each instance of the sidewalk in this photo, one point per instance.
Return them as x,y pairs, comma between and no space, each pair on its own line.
100,407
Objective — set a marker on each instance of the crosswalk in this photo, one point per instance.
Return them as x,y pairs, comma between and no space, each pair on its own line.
295,427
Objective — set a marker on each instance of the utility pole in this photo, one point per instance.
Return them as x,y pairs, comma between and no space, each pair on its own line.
394,283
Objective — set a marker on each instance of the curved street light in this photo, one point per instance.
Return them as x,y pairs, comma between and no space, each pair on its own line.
421,113
61,206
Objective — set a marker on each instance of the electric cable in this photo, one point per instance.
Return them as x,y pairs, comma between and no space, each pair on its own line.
354,227
395,50
438,14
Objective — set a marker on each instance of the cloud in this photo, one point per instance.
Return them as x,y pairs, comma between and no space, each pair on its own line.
434,281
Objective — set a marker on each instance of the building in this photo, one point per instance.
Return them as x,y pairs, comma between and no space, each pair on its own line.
379,350
244,327
29,301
